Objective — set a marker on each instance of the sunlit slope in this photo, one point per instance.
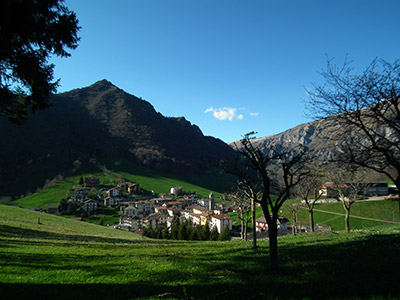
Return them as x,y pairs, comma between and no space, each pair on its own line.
23,223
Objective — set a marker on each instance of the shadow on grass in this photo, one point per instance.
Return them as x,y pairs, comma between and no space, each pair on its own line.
11,231
365,268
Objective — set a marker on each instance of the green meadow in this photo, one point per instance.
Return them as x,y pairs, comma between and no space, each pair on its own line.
48,257
378,210
52,195
383,210
218,183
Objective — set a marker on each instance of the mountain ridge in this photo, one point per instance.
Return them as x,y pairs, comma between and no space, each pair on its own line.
321,136
102,121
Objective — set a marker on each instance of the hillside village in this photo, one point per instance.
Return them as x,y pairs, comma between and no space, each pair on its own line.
138,211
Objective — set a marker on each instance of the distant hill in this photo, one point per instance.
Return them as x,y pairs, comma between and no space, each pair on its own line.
323,137
101,122
317,136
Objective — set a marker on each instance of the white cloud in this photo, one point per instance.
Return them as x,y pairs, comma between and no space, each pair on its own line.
225,113
254,114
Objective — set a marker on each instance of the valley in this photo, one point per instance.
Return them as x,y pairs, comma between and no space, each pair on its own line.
115,164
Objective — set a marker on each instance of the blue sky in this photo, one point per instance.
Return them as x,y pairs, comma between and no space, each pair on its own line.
228,66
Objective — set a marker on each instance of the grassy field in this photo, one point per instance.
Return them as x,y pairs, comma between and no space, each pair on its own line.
161,182
66,259
380,210
53,194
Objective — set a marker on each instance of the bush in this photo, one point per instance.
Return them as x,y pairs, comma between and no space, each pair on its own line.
214,234
183,233
224,235
149,232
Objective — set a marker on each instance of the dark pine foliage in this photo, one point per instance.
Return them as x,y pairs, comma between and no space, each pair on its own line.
31,31
186,231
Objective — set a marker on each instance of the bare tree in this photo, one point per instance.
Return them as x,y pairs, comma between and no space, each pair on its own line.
242,204
366,108
274,170
349,184
308,190
250,183
294,208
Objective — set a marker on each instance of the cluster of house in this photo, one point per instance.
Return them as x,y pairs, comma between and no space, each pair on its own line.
140,212
161,211
108,197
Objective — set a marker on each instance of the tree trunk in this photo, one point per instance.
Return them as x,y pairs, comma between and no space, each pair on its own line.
397,184
399,206
245,232
273,245
311,213
347,220
253,222
294,226
242,229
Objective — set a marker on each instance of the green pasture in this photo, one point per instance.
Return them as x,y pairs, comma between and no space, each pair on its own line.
161,182
53,194
149,181
379,210
66,259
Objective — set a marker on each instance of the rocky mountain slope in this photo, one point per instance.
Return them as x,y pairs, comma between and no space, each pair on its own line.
321,136
324,137
103,122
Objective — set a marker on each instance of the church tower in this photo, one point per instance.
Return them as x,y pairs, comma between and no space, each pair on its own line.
211,201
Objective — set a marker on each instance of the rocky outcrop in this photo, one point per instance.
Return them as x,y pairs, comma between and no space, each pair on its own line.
321,136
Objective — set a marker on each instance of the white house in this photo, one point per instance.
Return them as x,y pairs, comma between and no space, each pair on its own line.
199,209
195,218
177,191
220,222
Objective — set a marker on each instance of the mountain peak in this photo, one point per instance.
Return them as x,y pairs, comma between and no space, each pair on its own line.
103,84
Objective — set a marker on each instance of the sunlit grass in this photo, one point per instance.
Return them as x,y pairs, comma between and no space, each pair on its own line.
64,259
149,181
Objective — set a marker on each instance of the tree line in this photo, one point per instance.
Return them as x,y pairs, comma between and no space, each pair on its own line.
186,230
